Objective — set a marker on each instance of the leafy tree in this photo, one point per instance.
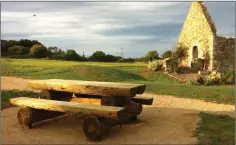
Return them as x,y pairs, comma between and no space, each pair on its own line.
152,55
17,49
53,49
167,54
11,43
38,51
72,55
60,54
181,52
28,43
98,56
110,58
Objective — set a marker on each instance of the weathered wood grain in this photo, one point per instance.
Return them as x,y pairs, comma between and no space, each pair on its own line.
73,107
89,87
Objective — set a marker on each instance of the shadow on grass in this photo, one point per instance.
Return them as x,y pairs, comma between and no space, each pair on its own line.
215,129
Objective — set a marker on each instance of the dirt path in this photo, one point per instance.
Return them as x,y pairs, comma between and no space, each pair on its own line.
169,120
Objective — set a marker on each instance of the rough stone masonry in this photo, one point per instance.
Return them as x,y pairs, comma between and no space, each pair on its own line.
199,36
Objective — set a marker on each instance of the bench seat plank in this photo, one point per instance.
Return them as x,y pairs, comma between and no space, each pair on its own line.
89,87
68,107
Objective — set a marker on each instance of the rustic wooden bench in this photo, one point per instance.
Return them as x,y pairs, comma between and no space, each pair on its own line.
104,103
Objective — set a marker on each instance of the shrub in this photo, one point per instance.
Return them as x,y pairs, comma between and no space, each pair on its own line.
207,80
38,51
181,52
198,64
228,77
155,65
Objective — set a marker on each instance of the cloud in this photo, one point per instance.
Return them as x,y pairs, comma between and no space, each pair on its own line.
86,26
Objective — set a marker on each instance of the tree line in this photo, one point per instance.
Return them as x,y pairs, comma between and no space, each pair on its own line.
25,48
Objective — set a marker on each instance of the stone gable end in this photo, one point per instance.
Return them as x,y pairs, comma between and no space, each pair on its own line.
198,33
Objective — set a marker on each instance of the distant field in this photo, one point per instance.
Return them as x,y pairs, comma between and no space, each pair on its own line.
157,83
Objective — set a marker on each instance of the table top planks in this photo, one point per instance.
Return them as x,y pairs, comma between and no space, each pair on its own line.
89,87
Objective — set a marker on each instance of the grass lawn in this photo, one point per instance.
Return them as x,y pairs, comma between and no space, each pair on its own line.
216,130
157,83
7,94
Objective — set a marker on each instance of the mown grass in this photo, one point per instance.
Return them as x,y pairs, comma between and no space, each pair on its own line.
8,94
157,83
216,130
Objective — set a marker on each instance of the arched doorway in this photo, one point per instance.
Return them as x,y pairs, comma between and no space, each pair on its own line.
195,52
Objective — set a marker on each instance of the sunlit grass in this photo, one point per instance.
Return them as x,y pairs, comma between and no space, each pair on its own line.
157,83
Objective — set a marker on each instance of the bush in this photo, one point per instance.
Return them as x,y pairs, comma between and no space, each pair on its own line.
228,77
155,65
197,64
181,52
38,51
207,80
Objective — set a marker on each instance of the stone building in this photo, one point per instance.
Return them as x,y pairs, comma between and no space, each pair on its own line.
198,36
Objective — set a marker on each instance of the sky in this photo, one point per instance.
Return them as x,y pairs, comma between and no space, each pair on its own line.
135,27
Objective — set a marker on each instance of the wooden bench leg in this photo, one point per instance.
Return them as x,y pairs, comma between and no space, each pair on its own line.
55,95
27,116
96,128
134,109
24,117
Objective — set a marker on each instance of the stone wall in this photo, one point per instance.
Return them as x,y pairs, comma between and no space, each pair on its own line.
198,30
224,53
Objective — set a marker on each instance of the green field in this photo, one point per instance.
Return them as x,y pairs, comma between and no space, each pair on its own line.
157,83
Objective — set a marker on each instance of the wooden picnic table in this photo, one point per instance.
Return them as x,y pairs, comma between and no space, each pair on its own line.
104,103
